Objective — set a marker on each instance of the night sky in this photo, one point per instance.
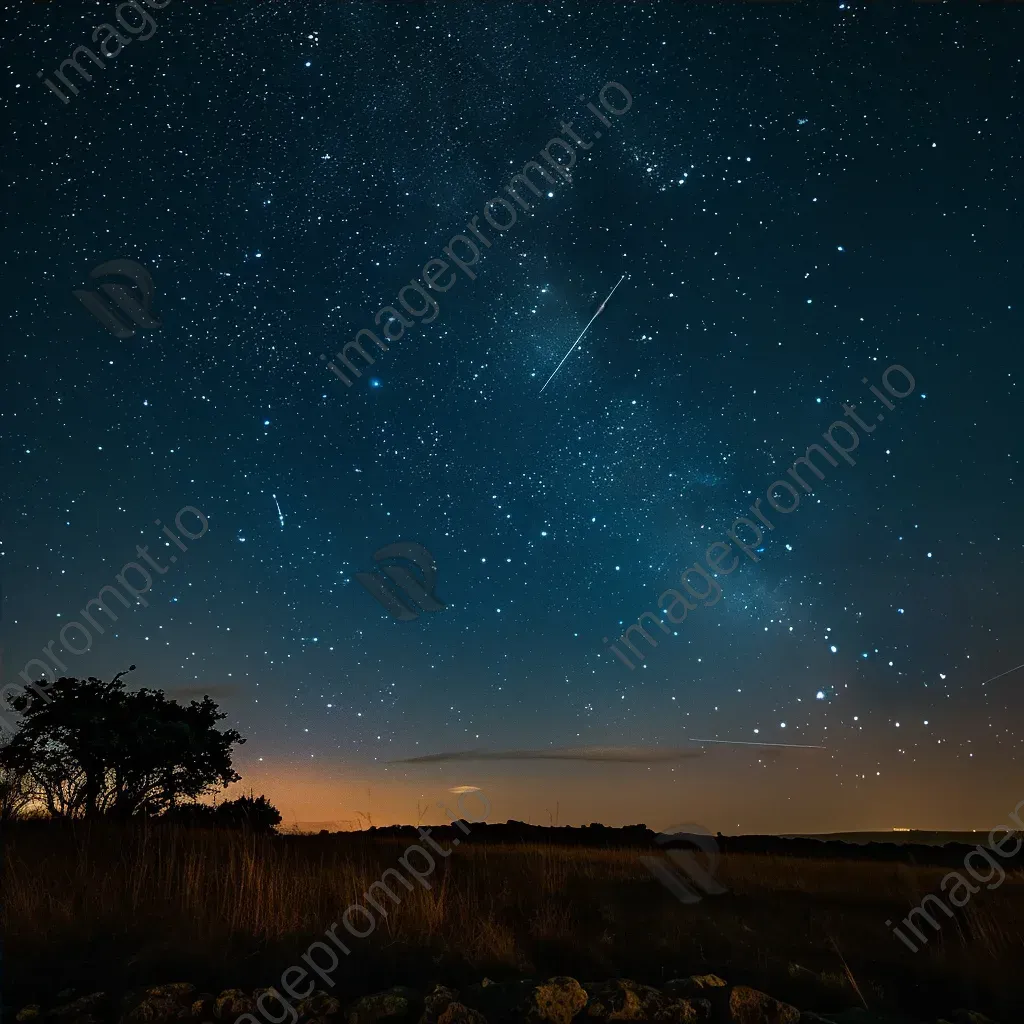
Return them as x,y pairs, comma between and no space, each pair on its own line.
800,196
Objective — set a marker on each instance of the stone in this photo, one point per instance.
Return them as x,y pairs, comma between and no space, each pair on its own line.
393,1006
436,1002
202,1006
319,1004
696,985
180,990
232,1003
456,1013
622,999
557,1000
84,1010
749,1006
500,1001
684,1011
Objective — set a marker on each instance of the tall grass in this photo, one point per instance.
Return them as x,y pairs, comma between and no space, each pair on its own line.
102,905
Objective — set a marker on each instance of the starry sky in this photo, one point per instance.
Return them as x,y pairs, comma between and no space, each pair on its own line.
800,195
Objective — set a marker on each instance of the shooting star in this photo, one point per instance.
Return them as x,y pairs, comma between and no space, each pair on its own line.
279,515
749,743
600,310
1001,674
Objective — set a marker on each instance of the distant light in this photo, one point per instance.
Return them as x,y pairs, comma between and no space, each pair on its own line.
266,423
820,695
374,382
833,649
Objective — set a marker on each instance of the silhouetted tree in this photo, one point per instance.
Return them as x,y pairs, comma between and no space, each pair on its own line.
91,747
15,790
255,813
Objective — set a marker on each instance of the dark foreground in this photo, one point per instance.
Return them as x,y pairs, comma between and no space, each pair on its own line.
118,910
703,999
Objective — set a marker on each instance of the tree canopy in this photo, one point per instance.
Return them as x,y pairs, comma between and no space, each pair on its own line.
87,748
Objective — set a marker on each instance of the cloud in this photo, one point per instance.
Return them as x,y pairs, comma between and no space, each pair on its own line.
638,755
620,755
464,789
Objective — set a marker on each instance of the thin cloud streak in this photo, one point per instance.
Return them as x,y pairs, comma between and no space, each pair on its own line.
620,755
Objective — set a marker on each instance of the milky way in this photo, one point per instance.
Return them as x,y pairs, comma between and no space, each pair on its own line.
802,196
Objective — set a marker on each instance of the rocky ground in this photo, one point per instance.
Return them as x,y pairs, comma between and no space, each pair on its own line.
562,1000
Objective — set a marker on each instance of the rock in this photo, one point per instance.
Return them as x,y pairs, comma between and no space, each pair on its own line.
557,1000
232,1003
202,1006
684,1011
319,1004
180,990
749,1006
84,1010
160,1003
456,1013
436,1002
28,1014
696,985
396,1005
499,1001
622,999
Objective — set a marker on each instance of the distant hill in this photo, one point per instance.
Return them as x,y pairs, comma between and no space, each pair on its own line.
943,849
899,836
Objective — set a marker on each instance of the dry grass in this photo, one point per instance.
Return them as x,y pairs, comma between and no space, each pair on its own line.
104,906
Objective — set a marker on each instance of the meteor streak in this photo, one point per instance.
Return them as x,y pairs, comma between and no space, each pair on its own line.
1001,674
600,309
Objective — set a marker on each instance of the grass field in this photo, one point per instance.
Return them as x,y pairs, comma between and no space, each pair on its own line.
102,906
